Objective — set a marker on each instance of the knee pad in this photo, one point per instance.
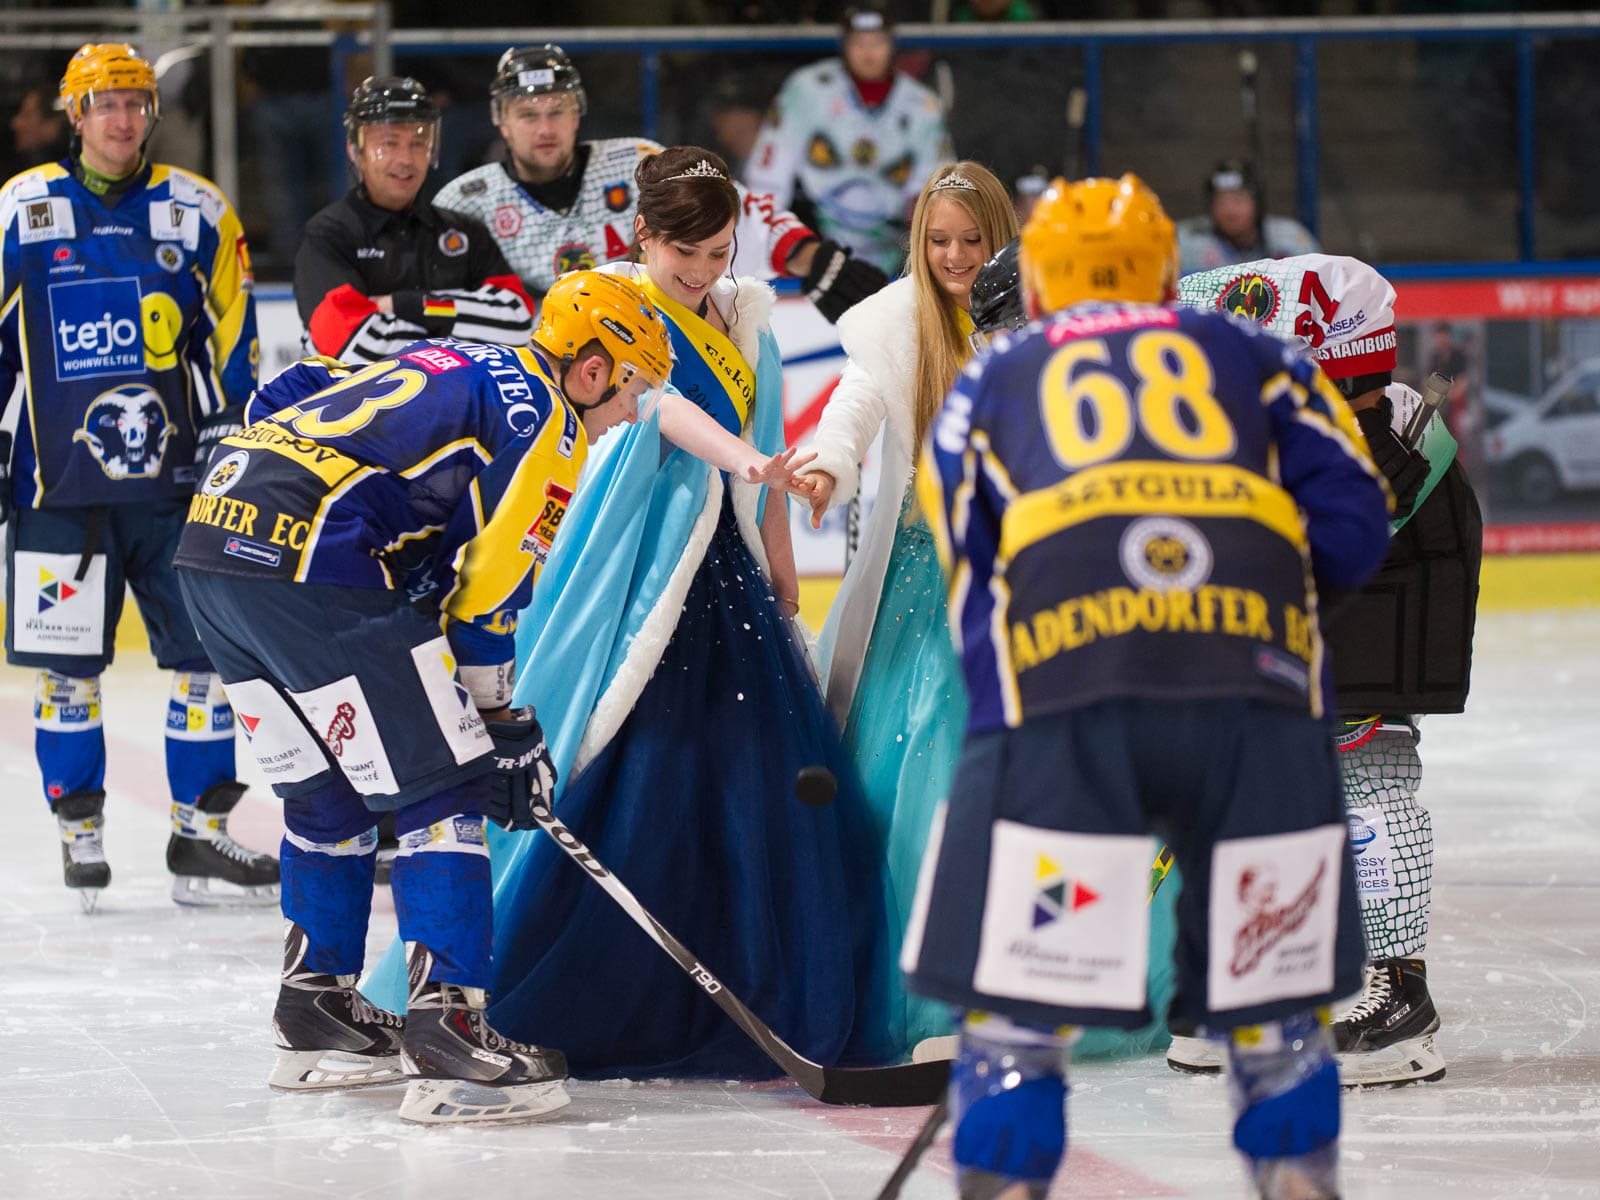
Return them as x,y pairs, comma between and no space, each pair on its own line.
327,815
199,736
1008,1097
65,703
1285,1087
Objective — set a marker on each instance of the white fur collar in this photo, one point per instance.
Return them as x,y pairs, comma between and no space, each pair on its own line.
880,335
745,304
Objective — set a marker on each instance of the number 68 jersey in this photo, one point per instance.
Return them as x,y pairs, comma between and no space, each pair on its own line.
1141,502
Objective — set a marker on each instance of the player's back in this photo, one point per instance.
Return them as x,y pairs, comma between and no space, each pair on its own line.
1133,518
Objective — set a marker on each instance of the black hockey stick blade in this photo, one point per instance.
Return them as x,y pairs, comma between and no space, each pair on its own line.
907,1086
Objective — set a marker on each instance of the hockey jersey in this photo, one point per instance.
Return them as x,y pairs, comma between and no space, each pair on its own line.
861,167
542,244
1142,501
444,473
125,325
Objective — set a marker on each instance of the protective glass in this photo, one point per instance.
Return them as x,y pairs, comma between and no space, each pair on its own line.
380,142
979,341
631,381
117,102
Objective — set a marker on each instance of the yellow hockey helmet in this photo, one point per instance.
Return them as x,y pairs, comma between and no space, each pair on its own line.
585,306
107,67
1098,239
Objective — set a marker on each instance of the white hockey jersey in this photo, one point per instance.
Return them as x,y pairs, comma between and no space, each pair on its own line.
542,244
862,167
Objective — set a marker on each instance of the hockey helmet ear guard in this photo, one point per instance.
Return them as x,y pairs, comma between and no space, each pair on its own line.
586,306
100,67
391,100
1098,239
535,71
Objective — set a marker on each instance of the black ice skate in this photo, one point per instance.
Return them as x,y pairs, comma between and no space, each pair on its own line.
209,868
328,1035
81,816
1191,1053
1386,1036
461,1070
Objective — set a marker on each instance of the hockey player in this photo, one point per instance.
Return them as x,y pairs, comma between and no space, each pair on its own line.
557,204
127,317
1400,648
356,557
859,139
1142,506
381,267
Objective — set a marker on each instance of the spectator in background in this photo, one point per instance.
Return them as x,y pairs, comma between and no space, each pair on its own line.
1234,228
38,130
858,138
1455,361
993,10
287,105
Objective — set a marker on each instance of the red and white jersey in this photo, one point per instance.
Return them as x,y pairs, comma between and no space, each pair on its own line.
542,244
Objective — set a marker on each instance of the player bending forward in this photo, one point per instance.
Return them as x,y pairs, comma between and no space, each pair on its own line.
1141,504
355,558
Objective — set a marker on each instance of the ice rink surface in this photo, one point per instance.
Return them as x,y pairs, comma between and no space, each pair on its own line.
136,1041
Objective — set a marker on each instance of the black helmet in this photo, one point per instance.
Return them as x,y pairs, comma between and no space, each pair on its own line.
536,71
870,17
996,296
388,100
1233,175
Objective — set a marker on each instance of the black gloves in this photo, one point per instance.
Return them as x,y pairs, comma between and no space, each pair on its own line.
209,436
1406,470
5,479
838,281
523,771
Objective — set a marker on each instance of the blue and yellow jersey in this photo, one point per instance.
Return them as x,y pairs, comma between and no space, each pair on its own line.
443,472
110,317
1142,501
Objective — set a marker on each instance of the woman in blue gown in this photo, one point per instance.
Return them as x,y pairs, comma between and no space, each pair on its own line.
679,704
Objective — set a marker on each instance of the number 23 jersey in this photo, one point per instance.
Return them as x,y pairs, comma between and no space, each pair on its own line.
1141,501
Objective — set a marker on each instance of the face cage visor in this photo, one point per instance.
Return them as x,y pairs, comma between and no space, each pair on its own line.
427,129
629,374
149,107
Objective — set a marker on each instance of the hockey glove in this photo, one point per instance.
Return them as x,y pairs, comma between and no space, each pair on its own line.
5,479
212,430
1406,470
838,281
522,769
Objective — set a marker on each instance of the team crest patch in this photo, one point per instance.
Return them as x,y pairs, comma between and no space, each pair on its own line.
821,152
226,473
864,153
574,256
474,187
898,171
1253,296
617,197
168,258
126,429
1165,553
452,243
507,221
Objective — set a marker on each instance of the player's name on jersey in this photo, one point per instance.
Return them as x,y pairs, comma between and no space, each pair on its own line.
1113,612
242,517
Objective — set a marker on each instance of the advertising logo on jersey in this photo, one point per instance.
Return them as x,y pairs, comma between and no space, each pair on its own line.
1163,553
617,196
1253,296
452,243
95,325
127,430
574,256
174,222
820,153
46,219
1055,895
542,533
53,591
266,556
507,221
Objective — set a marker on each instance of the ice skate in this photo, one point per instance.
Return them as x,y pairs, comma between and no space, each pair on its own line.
209,868
461,1070
1386,1036
329,1036
1190,1053
80,816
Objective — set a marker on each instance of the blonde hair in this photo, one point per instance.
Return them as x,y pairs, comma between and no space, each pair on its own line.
942,349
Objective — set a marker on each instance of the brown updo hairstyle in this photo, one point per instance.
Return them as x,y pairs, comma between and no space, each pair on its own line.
686,210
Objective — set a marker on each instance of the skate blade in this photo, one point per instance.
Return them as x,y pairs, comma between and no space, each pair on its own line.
1195,1056
202,891
936,1049
457,1102
323,1070
88,897
1412,1061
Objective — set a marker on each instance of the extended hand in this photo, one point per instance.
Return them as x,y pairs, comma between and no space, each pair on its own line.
779,471
822,485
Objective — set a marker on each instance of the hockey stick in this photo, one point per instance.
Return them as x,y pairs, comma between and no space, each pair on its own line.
1435,391
880,1087
1159,870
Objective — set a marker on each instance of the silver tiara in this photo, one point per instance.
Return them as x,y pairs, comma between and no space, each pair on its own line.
701,170
955,180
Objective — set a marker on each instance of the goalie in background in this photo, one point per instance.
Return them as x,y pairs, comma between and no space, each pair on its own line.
365,628
1401,647
1139,639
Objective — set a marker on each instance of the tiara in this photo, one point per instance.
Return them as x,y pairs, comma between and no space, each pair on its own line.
955,180
701,170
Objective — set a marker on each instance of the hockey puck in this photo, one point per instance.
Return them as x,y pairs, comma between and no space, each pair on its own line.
815,786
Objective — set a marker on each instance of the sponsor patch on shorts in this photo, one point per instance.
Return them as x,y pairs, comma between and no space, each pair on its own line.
238,547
